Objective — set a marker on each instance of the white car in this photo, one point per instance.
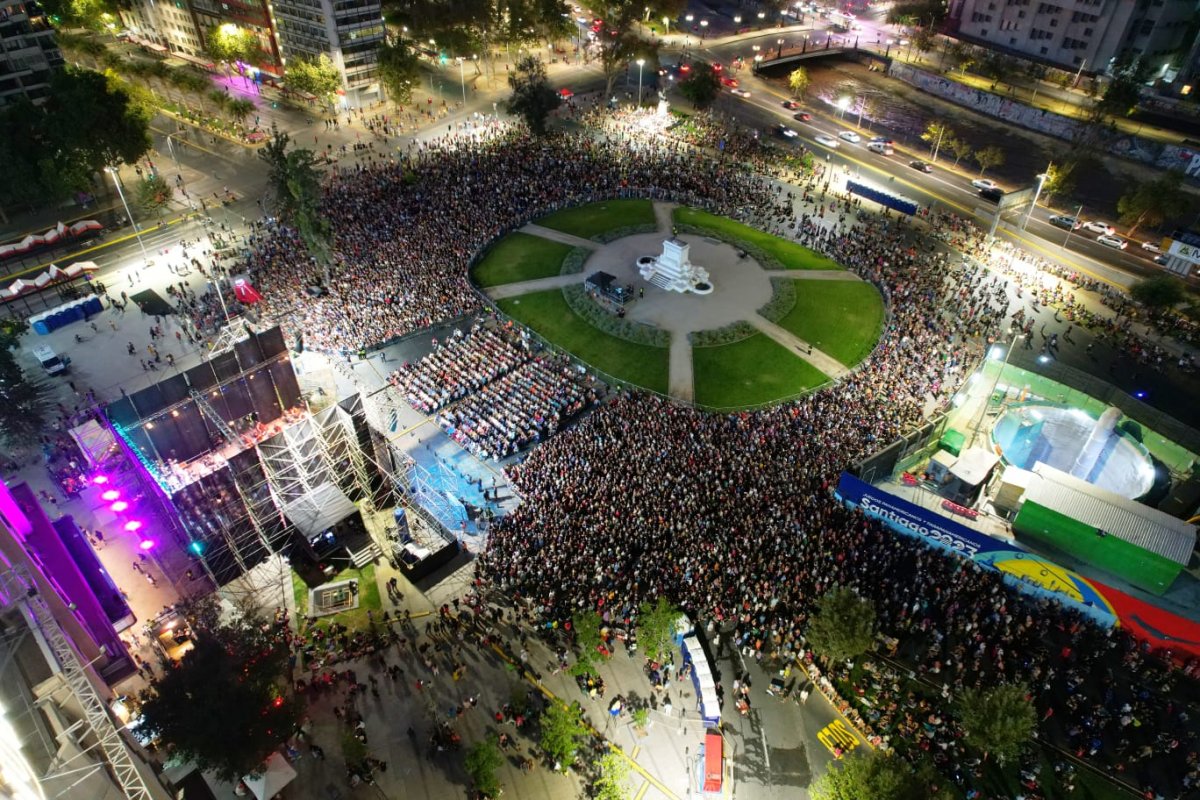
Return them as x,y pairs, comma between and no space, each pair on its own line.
1112,241
1095,226
850,136
826,139
1153,247
740,92
984,183
787,132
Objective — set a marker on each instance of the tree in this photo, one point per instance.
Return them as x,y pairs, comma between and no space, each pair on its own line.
656,626
153,192
999,721
482,761
879,776
961,149
924,40
843,625
354,751
319,77
798,82
701,86
563,731
936,133
239,108
91,14
988,157
1161,291
1060,179
611,773
532,96
398,71
24,402
587,627
1121,97
1154,202
229,43
223,706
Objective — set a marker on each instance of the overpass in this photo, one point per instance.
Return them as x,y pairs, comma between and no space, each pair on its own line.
816,49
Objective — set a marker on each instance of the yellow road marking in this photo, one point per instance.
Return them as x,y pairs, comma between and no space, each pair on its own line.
642,791
188,142
92,249
637,749
838,734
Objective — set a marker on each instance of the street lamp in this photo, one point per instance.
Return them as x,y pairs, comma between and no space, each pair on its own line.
762,16
667,25
993,355
136,232
1041,182
757,61
462,78
640,62
737,19
779,52
843,103
703,28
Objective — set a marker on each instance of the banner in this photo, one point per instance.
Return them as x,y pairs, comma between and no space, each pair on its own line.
1029,572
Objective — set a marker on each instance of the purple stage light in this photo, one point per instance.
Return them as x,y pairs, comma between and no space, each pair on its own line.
110,495
132,525
119,506
100,480
146,544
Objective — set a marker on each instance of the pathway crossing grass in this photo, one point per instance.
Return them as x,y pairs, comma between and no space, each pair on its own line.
789,254
548,313
520,257
841,318
595,219
750,372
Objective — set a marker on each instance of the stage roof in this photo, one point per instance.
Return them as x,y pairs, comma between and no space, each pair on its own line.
320,509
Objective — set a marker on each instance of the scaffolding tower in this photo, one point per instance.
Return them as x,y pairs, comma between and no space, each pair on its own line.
97,729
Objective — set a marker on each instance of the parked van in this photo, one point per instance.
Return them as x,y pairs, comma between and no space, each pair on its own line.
50,360
884,148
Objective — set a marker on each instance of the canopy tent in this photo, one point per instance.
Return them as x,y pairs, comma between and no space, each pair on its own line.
276,774
319,510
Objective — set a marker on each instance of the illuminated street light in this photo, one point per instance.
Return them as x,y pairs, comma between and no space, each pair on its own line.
136,231
843,103
640,62
1041,182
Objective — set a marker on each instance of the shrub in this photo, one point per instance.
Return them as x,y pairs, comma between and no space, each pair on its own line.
599,317
783,299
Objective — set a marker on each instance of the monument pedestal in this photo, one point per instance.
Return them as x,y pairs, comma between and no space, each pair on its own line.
674,271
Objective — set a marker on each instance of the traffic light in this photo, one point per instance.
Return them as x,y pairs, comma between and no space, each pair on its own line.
274,104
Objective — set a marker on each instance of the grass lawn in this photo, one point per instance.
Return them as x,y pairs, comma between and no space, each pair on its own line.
520,257
841,318
355,619
548,314
789,254
597,218
752,371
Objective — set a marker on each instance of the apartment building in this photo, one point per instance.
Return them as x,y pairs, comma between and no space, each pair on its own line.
1080,35
348,31
28,52
168,23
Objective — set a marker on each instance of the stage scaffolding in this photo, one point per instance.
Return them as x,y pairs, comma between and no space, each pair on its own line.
70,735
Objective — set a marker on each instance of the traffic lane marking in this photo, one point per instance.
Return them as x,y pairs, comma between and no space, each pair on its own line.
839,738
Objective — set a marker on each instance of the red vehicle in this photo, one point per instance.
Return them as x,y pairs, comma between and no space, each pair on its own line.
730,82
717,66
803,116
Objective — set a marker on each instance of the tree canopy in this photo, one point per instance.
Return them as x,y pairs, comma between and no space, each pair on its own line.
999,721
563,731
798,81
24,401
701,86
843,625
223,706
878,776
1155,201
1124,90
988,157
532,96
656,627
317,77
1161,291
399,69
481,763
229,42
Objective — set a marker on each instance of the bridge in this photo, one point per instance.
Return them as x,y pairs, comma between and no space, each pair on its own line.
819,48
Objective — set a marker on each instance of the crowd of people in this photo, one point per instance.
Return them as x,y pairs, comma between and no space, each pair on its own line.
731,516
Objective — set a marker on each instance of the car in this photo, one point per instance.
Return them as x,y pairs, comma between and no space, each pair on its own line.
984,183
1096,226
785,131
803,116
882,148
921,166
1064,222
1112,241
582,20
1161,260
718,66
1153,247
730,82
994,194
826,139
790,105
740,92
850,136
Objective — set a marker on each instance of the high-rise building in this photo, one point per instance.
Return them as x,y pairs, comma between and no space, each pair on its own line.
169,23
348,31
28,52
1088,36
250,15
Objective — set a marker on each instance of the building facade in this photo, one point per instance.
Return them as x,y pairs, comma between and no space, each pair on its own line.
1080,35
350,32
169,23
28,52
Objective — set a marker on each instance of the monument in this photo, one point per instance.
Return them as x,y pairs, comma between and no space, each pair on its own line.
673,271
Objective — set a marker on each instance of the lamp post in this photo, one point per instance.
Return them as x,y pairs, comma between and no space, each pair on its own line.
136,231
779,52
667,25
703,29
1041,182
757,61
462,79
762,17
993,354
1070,230
862,104
640,62
843,103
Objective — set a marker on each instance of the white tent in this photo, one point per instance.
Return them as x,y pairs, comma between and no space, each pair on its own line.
277,773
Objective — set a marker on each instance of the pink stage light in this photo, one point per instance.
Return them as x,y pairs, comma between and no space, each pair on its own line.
119,506
110,495
100,480
132,525
146,544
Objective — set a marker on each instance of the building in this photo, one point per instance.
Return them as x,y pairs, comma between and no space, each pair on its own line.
167,23
350,32
28,55
250,15
1088,36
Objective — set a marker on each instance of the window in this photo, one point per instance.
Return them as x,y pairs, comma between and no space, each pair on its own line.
1012,41
1087,31
1045,50
1053,23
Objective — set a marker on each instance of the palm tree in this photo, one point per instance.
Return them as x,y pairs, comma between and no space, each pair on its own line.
240,108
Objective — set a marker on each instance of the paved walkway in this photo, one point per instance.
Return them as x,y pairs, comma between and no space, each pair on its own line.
535,285
663,216
680,379
814,274
822,361
559,236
